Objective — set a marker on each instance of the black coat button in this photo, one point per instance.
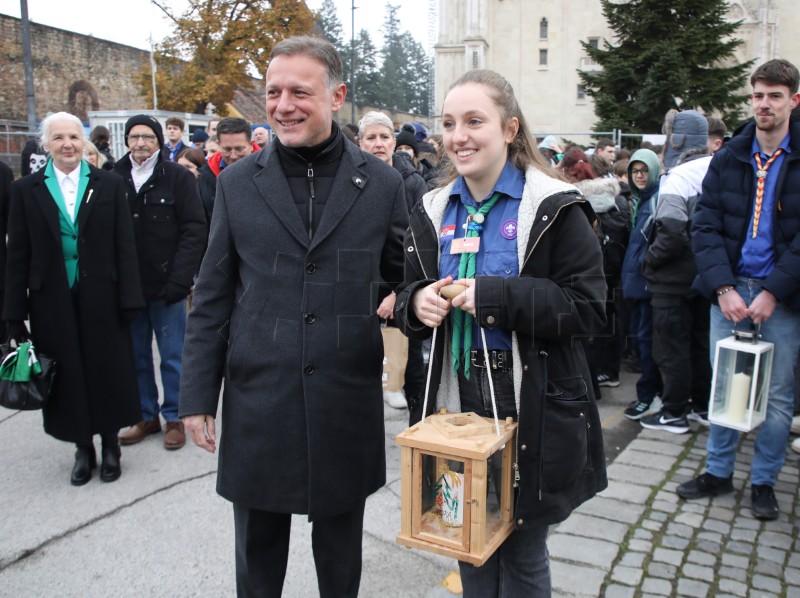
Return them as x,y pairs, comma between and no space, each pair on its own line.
308,369
311,268
310,318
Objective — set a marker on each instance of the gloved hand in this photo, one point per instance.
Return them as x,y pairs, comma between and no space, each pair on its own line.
174,292
17,331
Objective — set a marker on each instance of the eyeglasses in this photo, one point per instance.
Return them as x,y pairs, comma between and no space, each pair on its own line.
146,138
239,151
635,171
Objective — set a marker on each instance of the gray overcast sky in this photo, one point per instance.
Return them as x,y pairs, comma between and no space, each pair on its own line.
133,21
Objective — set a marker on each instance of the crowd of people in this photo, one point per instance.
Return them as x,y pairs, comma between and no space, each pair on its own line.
269,264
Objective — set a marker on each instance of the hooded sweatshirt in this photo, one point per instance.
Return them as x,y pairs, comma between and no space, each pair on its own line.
633,281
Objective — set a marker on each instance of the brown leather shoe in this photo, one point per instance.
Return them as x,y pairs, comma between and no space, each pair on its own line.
175,437
139,432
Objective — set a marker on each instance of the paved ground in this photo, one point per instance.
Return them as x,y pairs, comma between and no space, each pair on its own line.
162,531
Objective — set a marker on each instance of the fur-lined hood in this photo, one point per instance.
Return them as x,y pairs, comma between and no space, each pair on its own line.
601,193
538,187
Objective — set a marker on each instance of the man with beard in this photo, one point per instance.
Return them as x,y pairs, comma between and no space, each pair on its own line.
746,240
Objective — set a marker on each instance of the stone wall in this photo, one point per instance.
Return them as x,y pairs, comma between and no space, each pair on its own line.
71,72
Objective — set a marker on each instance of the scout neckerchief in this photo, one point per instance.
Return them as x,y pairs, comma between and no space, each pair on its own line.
761,174
462,321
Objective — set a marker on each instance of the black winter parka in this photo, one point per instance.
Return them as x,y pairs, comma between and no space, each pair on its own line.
169,224
558,297
723,214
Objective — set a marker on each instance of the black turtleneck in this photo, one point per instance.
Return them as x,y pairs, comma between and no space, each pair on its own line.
310,172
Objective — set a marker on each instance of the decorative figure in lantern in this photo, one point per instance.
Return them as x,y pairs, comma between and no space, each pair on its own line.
519,244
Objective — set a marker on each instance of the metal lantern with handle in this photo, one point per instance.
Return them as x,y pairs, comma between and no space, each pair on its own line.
740,386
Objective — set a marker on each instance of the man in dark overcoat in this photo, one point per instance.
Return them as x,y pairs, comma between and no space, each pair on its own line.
302,236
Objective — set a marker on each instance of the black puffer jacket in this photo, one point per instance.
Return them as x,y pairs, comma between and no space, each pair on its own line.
170,227
723,215
559,295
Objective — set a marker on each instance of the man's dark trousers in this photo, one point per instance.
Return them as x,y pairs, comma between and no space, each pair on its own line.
680,349
262,552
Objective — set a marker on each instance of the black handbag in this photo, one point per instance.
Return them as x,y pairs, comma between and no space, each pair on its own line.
26,378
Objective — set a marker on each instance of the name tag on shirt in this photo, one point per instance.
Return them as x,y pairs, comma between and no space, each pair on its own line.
465,245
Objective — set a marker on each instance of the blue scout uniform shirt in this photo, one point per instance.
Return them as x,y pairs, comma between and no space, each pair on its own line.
758,255
497,255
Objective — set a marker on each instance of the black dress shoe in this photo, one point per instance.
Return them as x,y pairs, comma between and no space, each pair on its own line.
85,462
110,468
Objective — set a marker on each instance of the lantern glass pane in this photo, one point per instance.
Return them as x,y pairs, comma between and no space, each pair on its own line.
498,506
733,384
443,497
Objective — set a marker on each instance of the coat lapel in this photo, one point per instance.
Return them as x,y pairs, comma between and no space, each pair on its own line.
89,198
274,189
47,204
350,179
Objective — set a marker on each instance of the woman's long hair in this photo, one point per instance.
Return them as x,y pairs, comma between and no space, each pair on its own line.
522,150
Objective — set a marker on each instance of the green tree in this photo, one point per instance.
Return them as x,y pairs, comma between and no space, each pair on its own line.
417,77
367,70
328,21
392,92
216,46
665,55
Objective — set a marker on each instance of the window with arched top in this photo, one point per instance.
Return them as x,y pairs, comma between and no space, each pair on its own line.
543,28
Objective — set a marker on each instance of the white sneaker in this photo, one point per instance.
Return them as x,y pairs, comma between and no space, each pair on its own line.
796,425
395,399
796,445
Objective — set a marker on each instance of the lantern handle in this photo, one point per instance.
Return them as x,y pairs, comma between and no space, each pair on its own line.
748,336
491,383
428,377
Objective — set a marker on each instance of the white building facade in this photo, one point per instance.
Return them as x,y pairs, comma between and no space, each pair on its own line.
535,44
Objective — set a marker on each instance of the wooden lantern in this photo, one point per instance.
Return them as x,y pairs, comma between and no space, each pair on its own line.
448,505
740,386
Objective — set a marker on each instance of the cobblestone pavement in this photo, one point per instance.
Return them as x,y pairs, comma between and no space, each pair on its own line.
639,539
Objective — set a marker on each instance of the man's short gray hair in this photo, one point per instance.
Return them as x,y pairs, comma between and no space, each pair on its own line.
373,117
317,48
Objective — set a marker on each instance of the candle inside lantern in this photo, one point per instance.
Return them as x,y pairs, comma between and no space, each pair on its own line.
738,399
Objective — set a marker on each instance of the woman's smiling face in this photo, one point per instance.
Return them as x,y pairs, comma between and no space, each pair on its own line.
475,137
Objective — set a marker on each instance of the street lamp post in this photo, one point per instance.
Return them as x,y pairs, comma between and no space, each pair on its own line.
353,60
28,65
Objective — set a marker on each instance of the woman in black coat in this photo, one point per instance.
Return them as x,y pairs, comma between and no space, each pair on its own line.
529,288
72,271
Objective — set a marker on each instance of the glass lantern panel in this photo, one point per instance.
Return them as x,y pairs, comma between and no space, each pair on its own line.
762,385
443,498
734,379
498,499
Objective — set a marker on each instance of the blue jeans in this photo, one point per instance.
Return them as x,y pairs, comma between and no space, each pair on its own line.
649,383
519,567
783,330
169,324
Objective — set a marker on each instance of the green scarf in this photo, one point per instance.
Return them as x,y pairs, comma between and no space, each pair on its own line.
462,321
